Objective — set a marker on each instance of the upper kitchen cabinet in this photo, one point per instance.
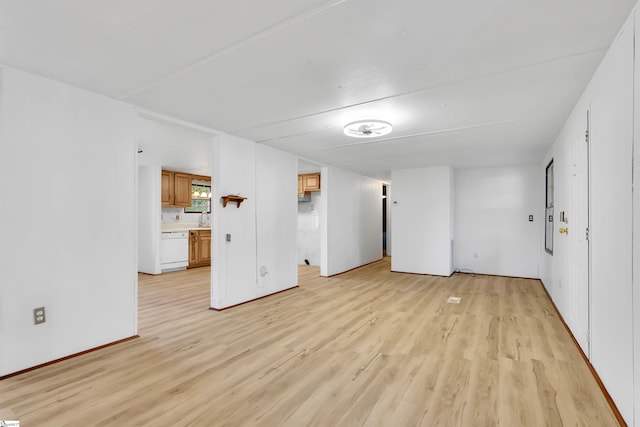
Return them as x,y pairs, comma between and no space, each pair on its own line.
167,188
182,190
308,182
176,189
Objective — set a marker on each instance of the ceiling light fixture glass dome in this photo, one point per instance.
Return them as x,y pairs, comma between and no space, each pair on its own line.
367,128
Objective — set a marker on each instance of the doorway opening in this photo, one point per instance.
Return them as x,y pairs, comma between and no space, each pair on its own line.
384,220
174,202
310,200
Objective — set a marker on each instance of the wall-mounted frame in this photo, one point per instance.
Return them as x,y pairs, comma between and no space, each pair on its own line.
548,218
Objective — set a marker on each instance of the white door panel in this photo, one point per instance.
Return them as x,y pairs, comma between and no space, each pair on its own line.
577,222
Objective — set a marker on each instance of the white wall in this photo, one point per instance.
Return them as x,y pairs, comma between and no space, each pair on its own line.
636,227
77,150
611,223
609,97
262,229
422,220
233,265
309,229
277,219
492,228
174,144
149,185
351,225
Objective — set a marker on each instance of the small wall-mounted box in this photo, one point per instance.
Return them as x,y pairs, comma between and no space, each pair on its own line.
39,316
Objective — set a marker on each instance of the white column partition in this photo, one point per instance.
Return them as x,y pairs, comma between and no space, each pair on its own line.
422,220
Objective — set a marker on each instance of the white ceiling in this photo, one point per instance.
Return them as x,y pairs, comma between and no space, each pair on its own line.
466,83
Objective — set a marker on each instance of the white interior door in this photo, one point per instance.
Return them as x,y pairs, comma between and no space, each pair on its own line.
577,222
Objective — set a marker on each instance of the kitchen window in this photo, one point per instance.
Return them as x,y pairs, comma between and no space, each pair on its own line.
200,199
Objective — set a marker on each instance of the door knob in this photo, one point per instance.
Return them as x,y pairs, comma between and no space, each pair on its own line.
564,231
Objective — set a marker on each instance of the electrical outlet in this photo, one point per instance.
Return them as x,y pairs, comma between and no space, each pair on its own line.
39,316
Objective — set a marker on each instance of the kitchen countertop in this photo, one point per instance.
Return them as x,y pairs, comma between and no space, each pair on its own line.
176,228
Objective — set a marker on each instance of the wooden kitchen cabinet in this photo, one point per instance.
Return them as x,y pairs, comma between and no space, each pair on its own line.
311,182
182,190
308,182
199,248
176,189
167,188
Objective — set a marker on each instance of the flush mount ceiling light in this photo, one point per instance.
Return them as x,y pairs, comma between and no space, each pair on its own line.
367,128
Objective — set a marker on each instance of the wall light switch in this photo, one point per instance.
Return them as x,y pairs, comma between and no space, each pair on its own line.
228,238
530,218
564,218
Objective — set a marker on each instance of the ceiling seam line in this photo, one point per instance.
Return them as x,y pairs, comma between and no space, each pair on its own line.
435,132
413,92
299,17
403,157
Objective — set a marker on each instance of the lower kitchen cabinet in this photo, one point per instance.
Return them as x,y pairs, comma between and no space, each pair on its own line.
199,248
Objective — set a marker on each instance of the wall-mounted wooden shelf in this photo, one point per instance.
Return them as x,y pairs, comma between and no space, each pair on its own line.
230,198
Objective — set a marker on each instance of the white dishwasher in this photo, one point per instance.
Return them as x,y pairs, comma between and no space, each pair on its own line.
174,250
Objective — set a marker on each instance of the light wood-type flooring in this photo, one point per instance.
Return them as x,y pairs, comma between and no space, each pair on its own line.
368,347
